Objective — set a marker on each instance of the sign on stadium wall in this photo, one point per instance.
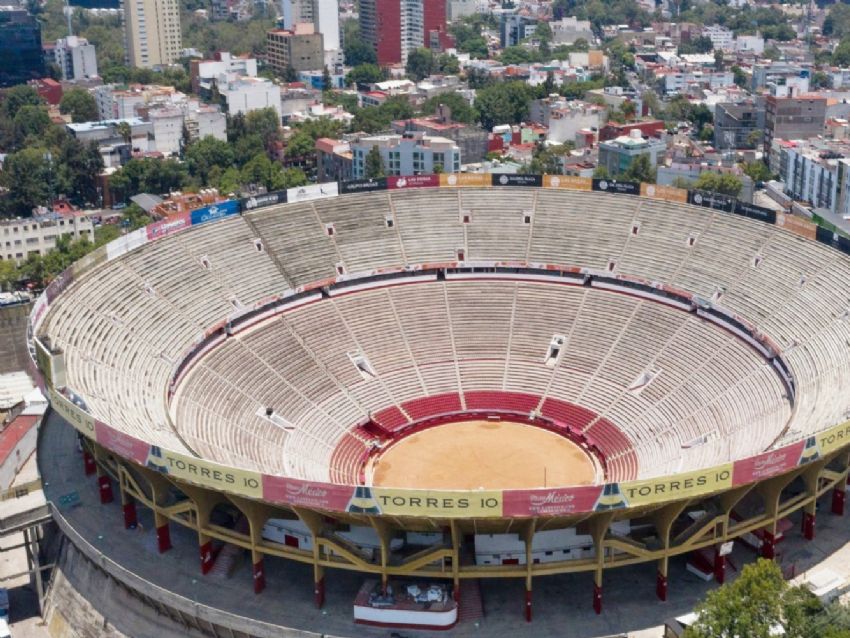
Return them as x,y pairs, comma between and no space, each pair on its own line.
834,438
205,473
212,212
126,243
796,225
173,224
752,211
261,201
395,182
72,414
462,180
717,201
570,182
298,493
436,503
667,193
685,485
122,444
505,179
314,191
550,502
766,465
363,185
613,186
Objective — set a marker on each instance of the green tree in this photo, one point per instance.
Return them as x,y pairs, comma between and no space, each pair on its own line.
518,55
206,153
468,38
640,170
772,53
80,104
447,64
504,103
461,109
723,183
364,74
757,171
601,172
9,274
27,174
374,166
30,121
78,168
301,144
837,22
841,54
266,124
740,77
18,96
260,170
420,64
327,82
356,51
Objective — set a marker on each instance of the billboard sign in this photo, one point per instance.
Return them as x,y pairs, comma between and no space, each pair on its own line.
505,179
717,201
570,182
261,201
313,191
613,186
215,211
395,182
363,185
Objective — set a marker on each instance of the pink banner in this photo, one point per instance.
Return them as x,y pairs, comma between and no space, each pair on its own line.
168,226
554,502
413,181
324,496
766,465
120,443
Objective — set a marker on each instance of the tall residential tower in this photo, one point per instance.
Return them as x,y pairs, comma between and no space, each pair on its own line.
152,32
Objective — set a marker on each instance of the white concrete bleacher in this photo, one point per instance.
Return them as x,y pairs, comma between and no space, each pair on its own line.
124,326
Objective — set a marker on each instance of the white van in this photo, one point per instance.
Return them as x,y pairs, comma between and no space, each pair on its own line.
4,629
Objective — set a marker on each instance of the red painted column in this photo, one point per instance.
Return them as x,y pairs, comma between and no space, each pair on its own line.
838,496
130,519
105,484
88,463
597,598
319,592
719,566
808,526
768,548
259,577
527,605
206,557
661,586
163,538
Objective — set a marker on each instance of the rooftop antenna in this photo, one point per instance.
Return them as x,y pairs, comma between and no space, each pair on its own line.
68,14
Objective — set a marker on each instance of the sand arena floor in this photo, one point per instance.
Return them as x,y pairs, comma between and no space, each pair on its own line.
483,454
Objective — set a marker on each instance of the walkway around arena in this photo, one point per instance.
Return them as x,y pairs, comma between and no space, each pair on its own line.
562,604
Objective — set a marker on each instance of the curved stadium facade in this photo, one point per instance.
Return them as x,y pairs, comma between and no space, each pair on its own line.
695,349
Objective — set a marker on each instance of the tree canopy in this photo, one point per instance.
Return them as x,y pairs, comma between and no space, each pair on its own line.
724,183
80,105
504,103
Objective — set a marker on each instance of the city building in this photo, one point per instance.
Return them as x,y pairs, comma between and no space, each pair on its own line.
565,118
815,172
20,47
76,58
22,237
244,95
779,74
49,89
300,49
333,160
322,14
647,128
738,125
151,32
223,64
793,118
470,139
618,154
395,27
110,132
513,28
413,153
721,37
569,29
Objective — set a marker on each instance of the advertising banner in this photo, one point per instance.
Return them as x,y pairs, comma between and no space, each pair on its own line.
363,185
261,201
685,485
712,200
833,438
205,473
613,186
93,259
323,496
516,180
667,193
766,465
81,421
796,225
844,244
553,502
120,443
125,244
168,226
413,181
570,182
755,212
464,180
313,191
434,503
59,284
214,211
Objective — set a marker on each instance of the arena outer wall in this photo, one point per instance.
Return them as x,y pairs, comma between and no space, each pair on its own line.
778,482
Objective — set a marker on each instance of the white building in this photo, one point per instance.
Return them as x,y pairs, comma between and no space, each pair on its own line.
76,58
167,129
569,29
20,238
206,121
225,64
721,37
749,44
565,118
679,81
815,172
409,154
250,94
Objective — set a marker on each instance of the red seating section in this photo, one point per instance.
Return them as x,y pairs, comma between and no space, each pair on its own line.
347,460
432,406
390,419
573,417
509,401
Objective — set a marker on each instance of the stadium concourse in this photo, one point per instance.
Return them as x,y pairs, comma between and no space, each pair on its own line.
245,371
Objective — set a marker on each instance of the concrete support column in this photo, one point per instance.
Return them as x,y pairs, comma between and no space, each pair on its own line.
163,532
314,523
527,536
528,602
259,572
104,484
319,585
768,545
838,496
661,580
456,542
205,552
719,566
89,465
598,530
808,524
129,506
663,520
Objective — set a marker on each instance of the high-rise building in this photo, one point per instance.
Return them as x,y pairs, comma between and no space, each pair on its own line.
299,49
75,58
395,27
151,32
793,118
20,47
323,14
